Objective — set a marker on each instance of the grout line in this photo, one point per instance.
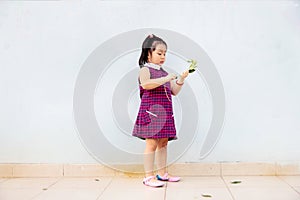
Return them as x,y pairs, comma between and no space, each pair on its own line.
43,191
288,184
98,198
165,194
59,179
228,188
37,195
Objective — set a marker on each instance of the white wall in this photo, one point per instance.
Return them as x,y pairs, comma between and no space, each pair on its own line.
255,46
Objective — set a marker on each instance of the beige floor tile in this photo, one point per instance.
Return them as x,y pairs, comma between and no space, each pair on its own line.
269,193
256,181
196,193
297,188
130,183
19,194
70,193
2,179
145,193
115,188
21,183
87,183
198,182
291,180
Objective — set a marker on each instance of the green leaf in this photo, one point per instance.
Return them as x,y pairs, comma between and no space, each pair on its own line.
206,195
236,182
192,66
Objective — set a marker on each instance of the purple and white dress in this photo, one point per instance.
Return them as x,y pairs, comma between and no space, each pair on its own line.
155,117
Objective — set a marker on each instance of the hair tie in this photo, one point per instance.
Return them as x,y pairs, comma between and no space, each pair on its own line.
150,36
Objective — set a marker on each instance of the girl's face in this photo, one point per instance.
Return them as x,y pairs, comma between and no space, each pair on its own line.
158,56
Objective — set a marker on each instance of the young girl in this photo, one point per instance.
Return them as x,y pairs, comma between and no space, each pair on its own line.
155,120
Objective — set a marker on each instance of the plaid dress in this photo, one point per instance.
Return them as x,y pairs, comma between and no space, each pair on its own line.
155,117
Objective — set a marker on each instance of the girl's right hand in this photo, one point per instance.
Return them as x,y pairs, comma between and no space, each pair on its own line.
171,76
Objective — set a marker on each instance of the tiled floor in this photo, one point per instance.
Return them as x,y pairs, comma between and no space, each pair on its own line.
115,188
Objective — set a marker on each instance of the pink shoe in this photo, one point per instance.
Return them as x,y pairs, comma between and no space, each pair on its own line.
166,178
147,181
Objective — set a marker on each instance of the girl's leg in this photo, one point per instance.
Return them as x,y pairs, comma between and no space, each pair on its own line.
149,155
161,156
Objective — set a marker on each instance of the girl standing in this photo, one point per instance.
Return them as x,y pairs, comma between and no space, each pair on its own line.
155,120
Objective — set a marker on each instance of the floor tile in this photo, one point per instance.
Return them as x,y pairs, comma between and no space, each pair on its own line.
115,188
21,183
297,188
19,194
267,193
123,182
131,188
70,193
88,183
3,179
145,193
216,193
198,182
255,181
291,180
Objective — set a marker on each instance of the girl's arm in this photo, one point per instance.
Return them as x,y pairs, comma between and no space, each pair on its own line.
148,83
177,84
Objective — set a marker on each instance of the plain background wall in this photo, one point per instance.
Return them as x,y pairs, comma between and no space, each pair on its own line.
255,46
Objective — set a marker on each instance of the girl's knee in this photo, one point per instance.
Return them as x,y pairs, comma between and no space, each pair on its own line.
151,144
162,142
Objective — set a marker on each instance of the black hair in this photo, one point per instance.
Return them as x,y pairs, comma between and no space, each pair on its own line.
149,45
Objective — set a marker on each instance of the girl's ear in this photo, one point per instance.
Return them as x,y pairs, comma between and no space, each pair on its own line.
149,55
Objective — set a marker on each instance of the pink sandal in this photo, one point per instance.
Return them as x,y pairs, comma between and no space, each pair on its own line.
165,178
147,181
